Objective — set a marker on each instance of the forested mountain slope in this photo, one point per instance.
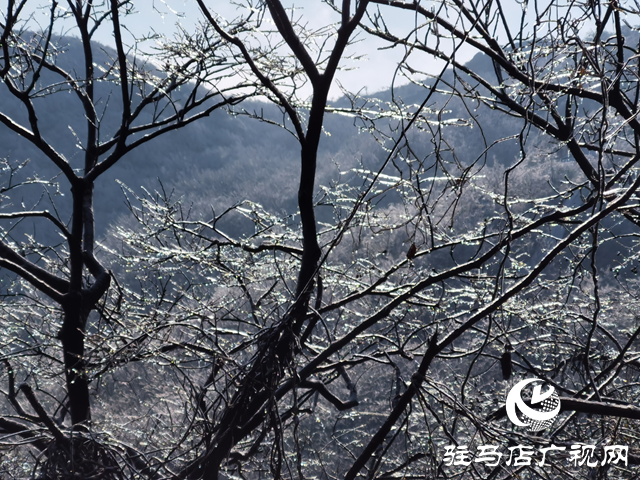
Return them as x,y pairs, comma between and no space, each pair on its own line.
227,158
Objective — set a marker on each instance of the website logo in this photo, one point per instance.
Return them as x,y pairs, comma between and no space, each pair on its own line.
536,419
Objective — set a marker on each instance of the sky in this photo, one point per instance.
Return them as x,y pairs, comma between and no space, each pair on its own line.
373,72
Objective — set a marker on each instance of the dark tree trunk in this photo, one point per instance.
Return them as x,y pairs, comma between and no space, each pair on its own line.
72,337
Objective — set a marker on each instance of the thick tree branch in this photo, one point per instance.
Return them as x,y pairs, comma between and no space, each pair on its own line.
568,404
38,141
264,80
322,389
14,428
55,431
44,281
285,28
45,214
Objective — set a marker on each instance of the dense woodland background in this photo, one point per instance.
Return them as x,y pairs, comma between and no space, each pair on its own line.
462,243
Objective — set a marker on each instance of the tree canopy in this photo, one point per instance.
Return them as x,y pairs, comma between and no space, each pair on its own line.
484,232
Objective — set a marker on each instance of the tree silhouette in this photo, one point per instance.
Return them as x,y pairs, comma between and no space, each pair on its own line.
491,238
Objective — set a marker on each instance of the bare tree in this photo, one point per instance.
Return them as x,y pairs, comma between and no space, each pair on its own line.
507,239
476,250
153,93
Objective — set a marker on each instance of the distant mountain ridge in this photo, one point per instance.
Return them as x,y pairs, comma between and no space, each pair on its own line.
221,159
